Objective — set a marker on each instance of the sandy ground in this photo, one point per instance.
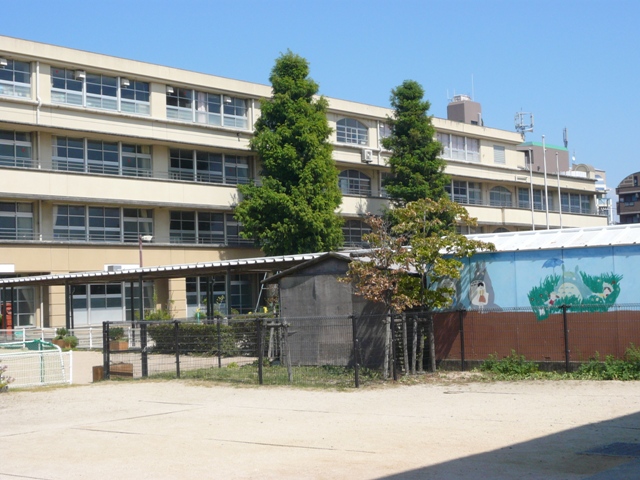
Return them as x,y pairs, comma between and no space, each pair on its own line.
187,430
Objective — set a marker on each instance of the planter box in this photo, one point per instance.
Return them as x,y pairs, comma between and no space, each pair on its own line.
118,345
121,370
61,343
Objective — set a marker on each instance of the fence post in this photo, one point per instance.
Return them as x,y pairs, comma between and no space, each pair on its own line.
356,359
219,334
260,355
176,339
143,349
106,353
567,352
461,316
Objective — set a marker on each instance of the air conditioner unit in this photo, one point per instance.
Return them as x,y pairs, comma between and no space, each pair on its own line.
113,268
80,74
367,156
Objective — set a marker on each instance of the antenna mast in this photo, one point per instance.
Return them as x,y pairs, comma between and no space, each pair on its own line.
524,124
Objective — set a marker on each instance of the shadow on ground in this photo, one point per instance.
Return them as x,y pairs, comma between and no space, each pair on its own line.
608,450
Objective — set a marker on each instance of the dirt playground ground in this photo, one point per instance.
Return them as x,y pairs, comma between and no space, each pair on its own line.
444,430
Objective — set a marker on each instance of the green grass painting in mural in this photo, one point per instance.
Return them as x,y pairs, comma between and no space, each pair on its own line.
578,290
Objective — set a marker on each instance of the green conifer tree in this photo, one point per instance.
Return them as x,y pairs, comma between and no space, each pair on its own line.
294,208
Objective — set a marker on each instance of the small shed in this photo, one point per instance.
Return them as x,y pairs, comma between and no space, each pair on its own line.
311,292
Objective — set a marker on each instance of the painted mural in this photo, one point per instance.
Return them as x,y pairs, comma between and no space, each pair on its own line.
590,279
583,292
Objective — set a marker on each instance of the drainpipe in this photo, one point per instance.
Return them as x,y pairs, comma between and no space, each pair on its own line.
38,93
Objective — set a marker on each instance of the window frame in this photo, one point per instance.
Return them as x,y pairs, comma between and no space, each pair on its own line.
351,131
15,86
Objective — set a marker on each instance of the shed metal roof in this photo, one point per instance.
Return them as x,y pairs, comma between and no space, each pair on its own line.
259,264
614,235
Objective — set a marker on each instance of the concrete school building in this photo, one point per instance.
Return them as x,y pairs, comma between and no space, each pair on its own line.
109,163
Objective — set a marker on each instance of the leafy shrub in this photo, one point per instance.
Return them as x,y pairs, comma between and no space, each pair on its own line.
61,333
194,338
512,365
116,333
70,341
627,368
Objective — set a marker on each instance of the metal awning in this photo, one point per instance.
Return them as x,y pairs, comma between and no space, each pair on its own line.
243,265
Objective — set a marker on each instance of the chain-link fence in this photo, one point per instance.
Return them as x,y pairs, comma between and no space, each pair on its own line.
350,350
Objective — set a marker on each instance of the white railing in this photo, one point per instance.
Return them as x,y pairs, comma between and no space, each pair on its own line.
29,366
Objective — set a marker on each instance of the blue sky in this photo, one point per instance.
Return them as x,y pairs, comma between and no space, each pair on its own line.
572,63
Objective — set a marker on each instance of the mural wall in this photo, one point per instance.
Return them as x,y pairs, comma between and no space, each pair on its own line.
588,279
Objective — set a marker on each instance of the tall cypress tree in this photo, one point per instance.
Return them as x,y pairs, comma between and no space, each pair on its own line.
294,208
417,171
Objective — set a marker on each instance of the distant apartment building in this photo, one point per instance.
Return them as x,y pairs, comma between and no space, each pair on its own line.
628,206
107,163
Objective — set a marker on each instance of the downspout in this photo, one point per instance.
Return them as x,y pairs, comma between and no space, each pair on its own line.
38,113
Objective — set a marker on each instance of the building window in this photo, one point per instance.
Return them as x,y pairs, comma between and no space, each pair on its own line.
136,222
499,155
209,167
134,97
469,193
68,154
500,197
353,182
197,293
15,149
384,131
210,227
101,224
538,199
456,147
92,90
239,298
15,79
24,305
136,160
96,156
206,227
102,157
207,108
350,130
576,203
101,92
182,228
104,224
70,222
353,231
16,221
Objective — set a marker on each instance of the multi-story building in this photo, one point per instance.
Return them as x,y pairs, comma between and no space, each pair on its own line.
628,206
107,162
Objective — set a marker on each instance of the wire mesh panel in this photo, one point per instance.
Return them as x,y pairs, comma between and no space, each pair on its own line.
36,368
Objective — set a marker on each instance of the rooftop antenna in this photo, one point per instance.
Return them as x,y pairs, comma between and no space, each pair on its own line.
565,137
524,123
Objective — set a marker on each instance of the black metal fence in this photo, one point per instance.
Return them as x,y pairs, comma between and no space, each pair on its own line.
347,351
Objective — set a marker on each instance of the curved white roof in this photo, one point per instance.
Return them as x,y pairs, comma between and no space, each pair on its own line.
614,235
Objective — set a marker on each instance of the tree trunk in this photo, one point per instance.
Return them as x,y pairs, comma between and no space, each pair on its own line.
421,347
414,352
432,344
405,349
387,345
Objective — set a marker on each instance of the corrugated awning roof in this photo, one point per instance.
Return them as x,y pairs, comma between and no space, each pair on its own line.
614,235
259,264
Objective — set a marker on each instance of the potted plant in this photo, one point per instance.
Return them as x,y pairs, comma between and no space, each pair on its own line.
64,339
117,339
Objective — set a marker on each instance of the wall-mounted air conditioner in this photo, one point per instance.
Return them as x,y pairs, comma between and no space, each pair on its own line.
367,156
